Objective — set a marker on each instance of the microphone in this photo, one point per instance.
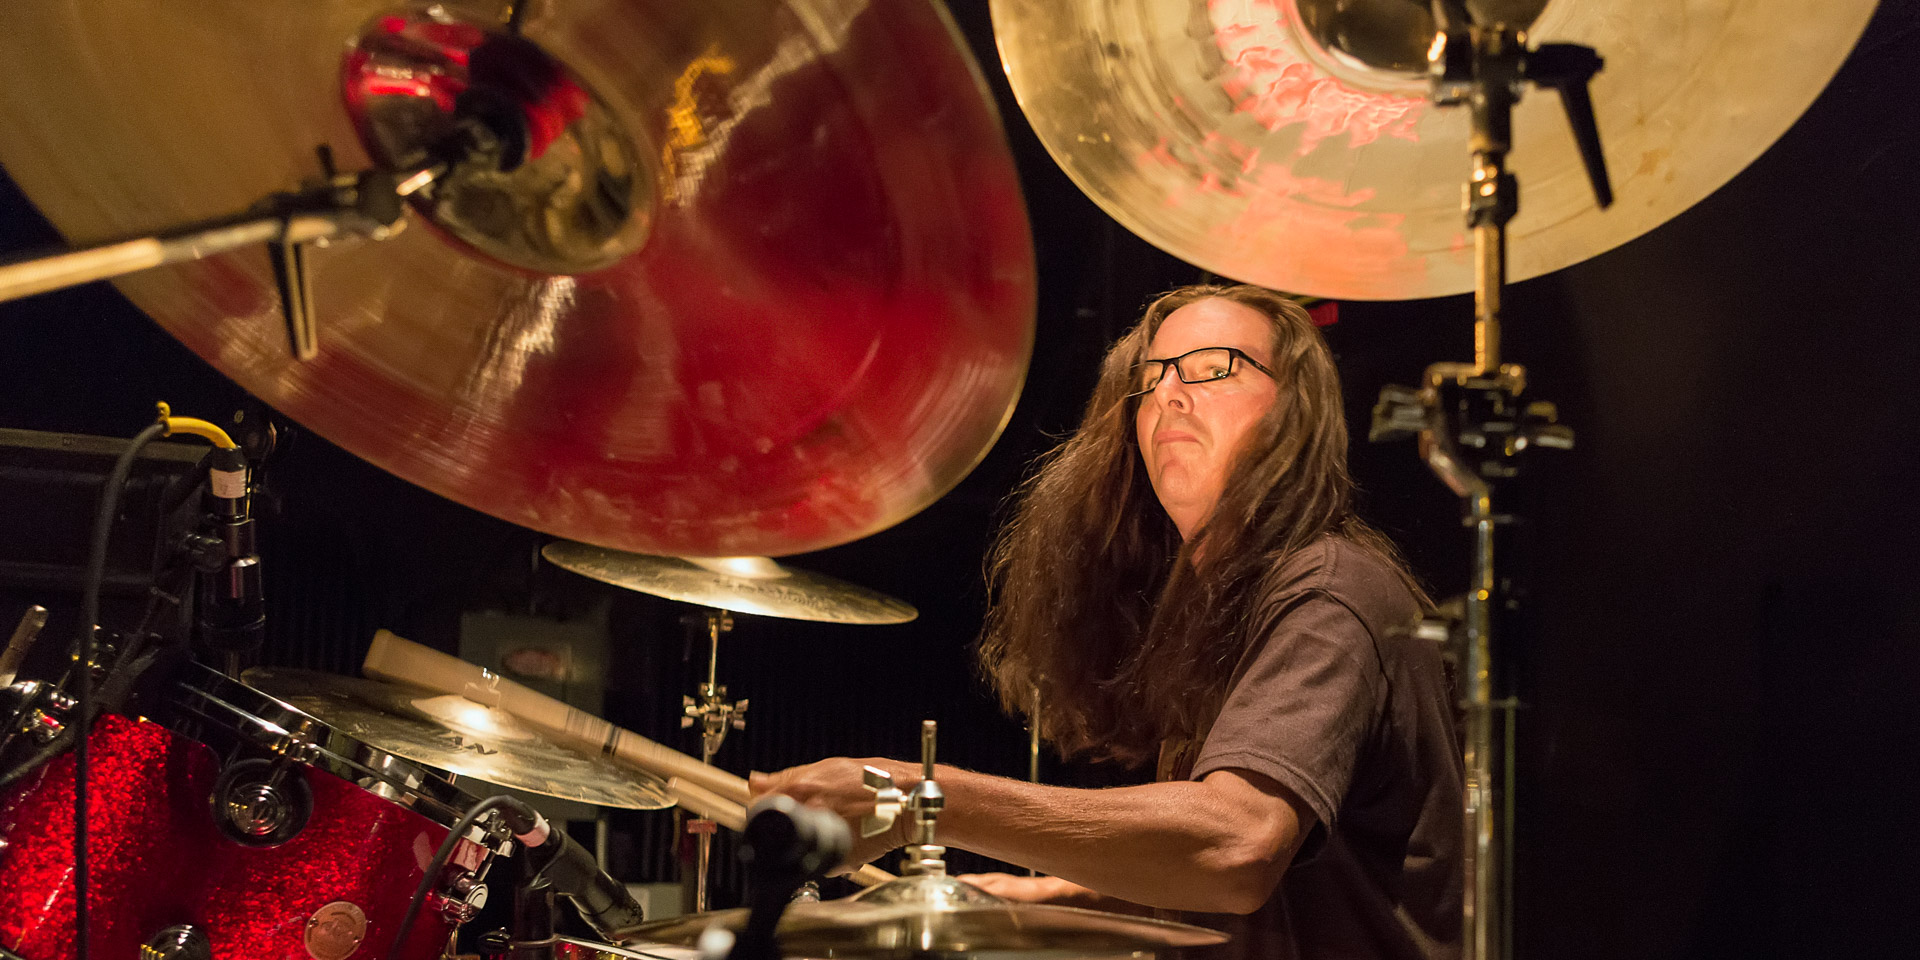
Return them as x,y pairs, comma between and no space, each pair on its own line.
232,601
566,866
784,845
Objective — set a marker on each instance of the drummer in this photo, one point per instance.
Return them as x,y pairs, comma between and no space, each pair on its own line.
1186,583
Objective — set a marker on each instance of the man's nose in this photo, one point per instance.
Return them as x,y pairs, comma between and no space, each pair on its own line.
1173,392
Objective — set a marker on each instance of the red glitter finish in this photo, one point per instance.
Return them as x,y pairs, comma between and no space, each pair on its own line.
158,860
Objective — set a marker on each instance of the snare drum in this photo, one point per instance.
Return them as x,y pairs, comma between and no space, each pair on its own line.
234,826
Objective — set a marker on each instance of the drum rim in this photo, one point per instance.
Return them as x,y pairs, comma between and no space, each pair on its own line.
203,700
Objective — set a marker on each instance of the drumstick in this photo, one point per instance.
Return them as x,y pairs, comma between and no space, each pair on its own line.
396,658
707,791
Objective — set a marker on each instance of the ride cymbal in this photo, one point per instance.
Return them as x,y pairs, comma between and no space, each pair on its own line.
763,285
754,585
460,736
1232,134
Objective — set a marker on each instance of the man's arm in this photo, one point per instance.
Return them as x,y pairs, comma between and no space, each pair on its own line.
1217,845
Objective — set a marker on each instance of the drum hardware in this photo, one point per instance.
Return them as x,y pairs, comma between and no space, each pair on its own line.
551,865
460,736
1293,143
888,801
1472,424
461,897
37,710
368,204
785,847
616,328
181,941
161,774
753,585
24,634
231,606
925,912
255,804
712,710
401,661
706,790
716,716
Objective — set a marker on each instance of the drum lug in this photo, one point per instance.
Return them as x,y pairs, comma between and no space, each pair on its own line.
256,803
182,941
461,898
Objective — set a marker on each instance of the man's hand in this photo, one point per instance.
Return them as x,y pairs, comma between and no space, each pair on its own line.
1031,889
836,784
1049,890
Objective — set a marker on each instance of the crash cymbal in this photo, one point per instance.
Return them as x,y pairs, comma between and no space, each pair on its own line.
1234,136
460,736
764,285
935,916
754,585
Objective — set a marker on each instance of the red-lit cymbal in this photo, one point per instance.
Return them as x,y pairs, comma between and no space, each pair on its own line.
815,321
1228,133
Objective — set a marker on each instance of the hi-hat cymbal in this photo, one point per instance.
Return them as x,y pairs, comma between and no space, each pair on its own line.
939,916
460,736
765,286
754,585
1230,135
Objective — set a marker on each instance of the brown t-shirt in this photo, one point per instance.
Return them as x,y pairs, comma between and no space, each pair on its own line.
1338,702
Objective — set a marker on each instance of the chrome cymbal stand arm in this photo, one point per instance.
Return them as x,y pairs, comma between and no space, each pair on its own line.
368,204
1472,424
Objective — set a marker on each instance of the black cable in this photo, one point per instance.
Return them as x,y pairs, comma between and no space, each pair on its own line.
129,664
439,863
83,681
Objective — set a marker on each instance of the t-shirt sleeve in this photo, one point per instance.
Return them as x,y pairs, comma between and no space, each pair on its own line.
1301,706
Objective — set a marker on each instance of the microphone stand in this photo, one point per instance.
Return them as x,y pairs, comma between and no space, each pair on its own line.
531,935
1472,424
784,846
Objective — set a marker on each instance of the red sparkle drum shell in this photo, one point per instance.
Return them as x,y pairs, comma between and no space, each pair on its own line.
157,859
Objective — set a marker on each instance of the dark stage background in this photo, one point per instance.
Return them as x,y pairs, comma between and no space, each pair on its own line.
1718,746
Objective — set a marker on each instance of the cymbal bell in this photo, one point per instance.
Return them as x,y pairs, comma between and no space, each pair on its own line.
1289,143
755,585
762,285
460,736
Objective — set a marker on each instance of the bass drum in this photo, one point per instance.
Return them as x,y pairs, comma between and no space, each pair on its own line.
231,825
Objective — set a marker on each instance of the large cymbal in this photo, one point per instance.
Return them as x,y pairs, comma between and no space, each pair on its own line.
1222,133
460,736
755,585
769,289
921,916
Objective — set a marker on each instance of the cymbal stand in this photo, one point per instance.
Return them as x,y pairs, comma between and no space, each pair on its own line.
716,715
369,204
1472,424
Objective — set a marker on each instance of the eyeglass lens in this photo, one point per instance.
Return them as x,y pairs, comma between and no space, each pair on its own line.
1199,366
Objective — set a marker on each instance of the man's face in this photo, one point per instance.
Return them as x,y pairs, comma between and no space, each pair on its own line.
1190,432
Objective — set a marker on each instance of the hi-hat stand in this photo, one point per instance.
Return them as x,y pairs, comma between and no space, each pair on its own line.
1473,425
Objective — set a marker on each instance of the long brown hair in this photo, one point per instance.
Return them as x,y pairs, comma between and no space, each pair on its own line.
1130,634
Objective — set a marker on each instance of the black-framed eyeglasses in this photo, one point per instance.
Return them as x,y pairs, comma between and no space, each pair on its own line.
1194,366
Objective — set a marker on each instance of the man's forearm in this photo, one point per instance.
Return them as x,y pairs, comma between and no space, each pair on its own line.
1184,845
